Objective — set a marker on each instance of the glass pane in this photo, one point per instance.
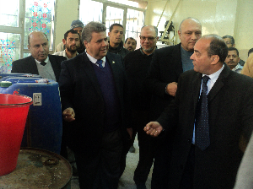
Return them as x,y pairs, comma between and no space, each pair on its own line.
134,23
39,16
9,50
113,15
90,11
125,2
9,12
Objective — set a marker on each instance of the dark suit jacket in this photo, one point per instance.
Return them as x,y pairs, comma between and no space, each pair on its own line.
166,67
80,90
230,116
28,65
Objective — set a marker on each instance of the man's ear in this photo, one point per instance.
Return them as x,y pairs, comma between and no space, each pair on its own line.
215,59
64,41
28,46
109,33
85,43
233,45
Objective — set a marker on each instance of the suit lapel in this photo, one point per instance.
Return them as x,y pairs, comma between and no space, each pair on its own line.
196,89
114,67
219,83
32,66
88,69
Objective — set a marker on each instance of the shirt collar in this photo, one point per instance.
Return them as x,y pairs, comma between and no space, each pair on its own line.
94,60
46,61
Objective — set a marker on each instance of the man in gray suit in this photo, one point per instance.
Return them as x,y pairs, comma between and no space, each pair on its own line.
208,119
40,62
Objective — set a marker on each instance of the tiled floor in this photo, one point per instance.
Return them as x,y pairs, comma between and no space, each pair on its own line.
126,181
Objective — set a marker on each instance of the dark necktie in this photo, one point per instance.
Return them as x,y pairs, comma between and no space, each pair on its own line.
202,119
99,62
43,63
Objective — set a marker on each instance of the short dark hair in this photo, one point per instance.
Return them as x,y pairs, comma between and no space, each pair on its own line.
90,28
217,47
230,37
115,24
33,32
250,51
233,49
70,31
130,38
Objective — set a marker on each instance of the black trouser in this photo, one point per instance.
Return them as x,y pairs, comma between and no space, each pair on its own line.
146,147
100,169
188,174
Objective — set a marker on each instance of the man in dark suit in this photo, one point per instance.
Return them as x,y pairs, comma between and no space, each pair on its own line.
40,62
94,99
166,66
208,119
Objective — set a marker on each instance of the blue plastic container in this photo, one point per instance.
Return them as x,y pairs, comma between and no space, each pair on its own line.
44,124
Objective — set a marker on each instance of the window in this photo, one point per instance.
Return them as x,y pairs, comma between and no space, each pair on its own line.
114,11
18,18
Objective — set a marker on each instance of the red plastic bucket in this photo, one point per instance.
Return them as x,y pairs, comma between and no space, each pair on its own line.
13,114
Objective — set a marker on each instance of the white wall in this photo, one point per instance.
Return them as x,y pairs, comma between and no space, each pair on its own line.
66,11
231,17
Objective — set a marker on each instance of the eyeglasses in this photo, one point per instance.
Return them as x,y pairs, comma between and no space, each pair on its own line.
149,38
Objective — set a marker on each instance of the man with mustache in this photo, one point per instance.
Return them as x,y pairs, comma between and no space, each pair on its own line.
40,62
233,59
130,44
94,96
116,44
71,42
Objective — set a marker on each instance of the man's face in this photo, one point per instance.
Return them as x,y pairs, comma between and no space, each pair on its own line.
98,45
38,46
148,39
116,34
79,30
228,42
201,59
130,45
190,32
232,59
72,43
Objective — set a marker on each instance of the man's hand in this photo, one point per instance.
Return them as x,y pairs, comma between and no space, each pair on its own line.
171,88
68,114
153,128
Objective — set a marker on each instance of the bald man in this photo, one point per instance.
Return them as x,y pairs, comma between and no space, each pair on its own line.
166,66
40,62
137,64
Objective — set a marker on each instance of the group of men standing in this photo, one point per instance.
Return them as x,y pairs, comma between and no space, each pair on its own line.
202,108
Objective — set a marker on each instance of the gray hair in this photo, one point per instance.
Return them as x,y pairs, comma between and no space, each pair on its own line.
155,28
90,28
191,18
217,46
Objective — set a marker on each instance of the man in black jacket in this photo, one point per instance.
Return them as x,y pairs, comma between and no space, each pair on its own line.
166,66
40,62
116,44
137,64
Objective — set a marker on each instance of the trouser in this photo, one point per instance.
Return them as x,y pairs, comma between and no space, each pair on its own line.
146,147
100,169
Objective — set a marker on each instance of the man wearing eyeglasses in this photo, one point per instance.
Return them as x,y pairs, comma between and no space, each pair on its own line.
137,64
166,66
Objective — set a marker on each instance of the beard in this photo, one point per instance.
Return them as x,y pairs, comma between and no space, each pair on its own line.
72,50
149,49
